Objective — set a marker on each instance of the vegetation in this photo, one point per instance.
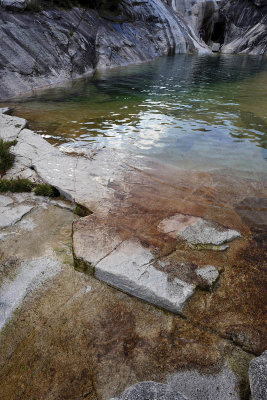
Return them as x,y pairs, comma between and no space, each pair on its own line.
45,190
81,211
16,185
6,157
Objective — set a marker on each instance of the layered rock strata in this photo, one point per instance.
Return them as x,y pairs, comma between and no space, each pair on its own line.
54,45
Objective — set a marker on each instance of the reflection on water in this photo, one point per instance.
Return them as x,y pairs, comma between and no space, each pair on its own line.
193,111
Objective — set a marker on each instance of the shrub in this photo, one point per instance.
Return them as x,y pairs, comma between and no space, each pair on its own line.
15,185
45,190
6,158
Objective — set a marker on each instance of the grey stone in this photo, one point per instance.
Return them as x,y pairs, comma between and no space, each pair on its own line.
10,127
129,268
30,276
246,27
197,230
150,391
16,5
4,110
5,200
9,215
197,386
209,274
205,232
216,47
258,377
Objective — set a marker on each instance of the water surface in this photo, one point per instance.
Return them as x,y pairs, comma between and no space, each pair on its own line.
196,112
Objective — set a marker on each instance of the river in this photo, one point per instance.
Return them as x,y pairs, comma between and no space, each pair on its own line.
196,112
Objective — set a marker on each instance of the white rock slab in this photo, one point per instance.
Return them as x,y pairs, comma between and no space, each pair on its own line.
10,215
31,276
10,127
130,268
5,200
197,230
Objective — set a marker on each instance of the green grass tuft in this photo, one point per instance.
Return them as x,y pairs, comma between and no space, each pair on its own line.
45,190
81,211
15,185
7,159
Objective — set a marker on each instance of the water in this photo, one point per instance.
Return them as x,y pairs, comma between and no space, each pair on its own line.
197,112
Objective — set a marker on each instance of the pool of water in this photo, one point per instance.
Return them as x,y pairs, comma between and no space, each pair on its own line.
196,112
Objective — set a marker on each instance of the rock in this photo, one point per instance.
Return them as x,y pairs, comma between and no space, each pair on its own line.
9,215
150,391
197,231
5,200
4,110
245,31
10,127
209,274
128,266
74,42
258,377
14,5
216,47
197,386
31,275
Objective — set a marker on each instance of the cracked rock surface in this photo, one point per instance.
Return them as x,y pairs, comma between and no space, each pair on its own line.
86,339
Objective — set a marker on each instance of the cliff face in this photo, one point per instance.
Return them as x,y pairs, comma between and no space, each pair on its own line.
245,26
52,46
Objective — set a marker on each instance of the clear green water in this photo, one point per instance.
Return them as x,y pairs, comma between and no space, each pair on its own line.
199,112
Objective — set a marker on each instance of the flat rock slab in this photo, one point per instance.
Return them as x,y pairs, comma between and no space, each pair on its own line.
126,265
10,127
9,215
32,275
258,377
197,231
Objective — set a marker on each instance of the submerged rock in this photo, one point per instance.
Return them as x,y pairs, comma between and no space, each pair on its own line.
197,231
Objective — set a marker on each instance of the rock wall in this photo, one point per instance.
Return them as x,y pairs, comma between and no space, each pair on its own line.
200,14
245,26
52,46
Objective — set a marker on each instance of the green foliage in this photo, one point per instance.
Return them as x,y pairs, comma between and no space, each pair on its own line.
15,185
44,190
6,158
81,211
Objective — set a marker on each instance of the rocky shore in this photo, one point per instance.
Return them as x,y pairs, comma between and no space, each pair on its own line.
44,45
167,297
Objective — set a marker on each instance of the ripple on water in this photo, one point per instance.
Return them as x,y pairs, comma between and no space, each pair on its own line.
201,112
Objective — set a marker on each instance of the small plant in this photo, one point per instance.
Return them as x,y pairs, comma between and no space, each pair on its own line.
6,157
81,211
15,185
45,190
